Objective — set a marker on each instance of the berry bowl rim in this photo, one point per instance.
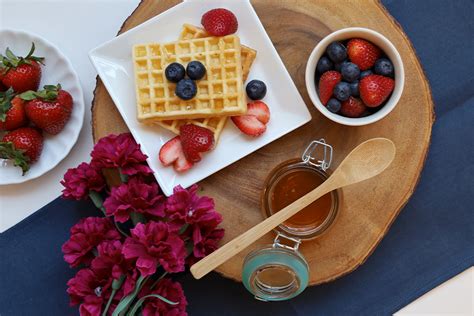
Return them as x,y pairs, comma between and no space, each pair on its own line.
379,40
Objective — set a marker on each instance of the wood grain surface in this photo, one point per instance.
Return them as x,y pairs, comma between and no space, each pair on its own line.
369,208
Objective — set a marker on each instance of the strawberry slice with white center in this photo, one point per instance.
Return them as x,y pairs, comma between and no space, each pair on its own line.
171,153
254,122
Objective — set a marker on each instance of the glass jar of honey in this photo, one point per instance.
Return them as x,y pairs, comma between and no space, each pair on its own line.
279,271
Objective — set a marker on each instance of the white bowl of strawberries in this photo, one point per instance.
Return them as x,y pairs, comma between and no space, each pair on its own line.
355,76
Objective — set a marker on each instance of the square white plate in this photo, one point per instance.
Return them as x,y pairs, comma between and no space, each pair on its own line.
113,61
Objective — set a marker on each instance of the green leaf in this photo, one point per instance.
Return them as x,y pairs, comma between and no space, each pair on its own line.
139,303
5,103
8,151
126,301
28,95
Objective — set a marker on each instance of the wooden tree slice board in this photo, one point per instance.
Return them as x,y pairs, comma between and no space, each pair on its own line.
369,208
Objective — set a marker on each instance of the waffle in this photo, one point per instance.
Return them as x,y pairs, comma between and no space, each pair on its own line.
215,124
248,54
220,93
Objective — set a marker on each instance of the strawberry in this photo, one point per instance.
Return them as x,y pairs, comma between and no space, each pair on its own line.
353,107
219,22
363,53
327,82
21,73
253,123
172,153
195,140
260,110
12,111
375,89
49,109
23,146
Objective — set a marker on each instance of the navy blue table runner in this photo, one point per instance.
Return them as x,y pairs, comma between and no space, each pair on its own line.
430,241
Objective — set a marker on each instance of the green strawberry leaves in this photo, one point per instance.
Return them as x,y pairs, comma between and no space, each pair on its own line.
5,103
49,93
10,60
8,151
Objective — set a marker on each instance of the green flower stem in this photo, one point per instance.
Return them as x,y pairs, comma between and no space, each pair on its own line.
116,285
158,280
125,303
97,200
139,303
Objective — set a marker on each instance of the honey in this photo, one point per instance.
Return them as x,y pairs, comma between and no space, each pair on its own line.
287,183
295,184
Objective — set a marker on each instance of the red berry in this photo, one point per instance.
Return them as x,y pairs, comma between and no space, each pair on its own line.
21,73
172,153
253,122
353,107
49,109
375,89
12,113
219,22
327,82
195,140
363,53
23,146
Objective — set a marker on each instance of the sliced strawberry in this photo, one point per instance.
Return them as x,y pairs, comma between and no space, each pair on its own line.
260,110
195,140
249,124
375,89
327,82
171,153
363,53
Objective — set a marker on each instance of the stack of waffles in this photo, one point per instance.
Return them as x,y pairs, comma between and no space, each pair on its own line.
220,93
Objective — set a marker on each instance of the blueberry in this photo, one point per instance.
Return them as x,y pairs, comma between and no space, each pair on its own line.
337,52
324,64
186,89
338,66
342,91
333,105
174,72
365,73
350,72
256,89
354,88
383,67
196,70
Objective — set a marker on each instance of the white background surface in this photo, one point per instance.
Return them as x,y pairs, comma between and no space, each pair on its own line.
76,26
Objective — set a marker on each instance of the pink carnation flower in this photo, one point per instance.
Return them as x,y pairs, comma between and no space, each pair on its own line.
204,243
169,290
85,236
110,261
152,244
89,289
79,181
186,207
135,196
120,151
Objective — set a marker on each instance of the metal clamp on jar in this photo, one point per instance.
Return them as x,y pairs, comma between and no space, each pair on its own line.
279,271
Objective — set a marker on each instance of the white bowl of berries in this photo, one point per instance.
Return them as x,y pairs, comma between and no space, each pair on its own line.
355,76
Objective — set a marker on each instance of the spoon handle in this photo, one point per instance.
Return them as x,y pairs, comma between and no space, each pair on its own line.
233,247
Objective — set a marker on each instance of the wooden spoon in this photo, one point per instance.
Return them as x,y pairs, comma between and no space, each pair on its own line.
364,162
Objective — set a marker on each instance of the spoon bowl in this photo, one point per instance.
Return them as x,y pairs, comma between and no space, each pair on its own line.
365,161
